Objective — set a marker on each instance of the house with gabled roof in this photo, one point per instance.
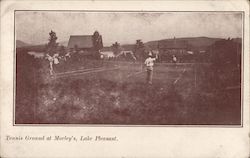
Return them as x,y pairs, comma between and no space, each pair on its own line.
82,42
85,43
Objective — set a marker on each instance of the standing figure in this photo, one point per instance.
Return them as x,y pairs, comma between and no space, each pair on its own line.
51,62
149,62
67,56
174,59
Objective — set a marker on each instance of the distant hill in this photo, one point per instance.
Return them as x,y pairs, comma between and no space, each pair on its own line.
129,47
20,43
197,43
201,42
239,40
24,47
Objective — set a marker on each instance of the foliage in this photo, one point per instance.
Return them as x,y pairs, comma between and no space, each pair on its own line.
116,47
51,47
62,50
225,52
140,50
226,60
97,41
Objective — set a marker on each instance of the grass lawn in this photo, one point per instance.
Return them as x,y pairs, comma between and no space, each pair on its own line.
121,96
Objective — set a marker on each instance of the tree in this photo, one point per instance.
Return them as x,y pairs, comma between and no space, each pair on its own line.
97,41
116,48
224,53
140,50
225,61
51,47
62,50
139,44
76,48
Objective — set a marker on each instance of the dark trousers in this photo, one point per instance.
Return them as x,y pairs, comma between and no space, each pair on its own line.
149,76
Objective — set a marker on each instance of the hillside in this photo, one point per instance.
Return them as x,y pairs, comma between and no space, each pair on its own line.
39,48
239,40
20,43
199,43
23,47
195,43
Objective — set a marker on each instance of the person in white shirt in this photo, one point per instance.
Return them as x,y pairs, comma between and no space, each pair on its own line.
174,59
51,61
149,62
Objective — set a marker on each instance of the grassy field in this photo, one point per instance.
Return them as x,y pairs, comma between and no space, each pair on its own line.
118,94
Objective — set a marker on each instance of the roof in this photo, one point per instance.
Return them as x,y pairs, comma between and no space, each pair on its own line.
85,41
173,44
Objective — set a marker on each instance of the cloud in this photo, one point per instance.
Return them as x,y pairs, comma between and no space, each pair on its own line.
125,27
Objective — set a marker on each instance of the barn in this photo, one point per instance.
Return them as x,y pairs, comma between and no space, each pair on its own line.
81,42
85,44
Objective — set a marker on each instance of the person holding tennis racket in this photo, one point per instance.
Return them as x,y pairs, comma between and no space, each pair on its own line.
149,62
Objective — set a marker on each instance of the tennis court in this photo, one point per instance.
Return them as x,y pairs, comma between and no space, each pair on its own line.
116,93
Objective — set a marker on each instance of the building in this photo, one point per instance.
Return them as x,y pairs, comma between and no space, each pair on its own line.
85,43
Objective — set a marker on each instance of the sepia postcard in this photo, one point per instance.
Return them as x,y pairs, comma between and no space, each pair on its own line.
124,79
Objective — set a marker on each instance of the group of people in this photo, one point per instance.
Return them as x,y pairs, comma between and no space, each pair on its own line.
54,60
149,63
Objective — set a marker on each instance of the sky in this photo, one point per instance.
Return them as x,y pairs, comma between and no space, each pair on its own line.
33,27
